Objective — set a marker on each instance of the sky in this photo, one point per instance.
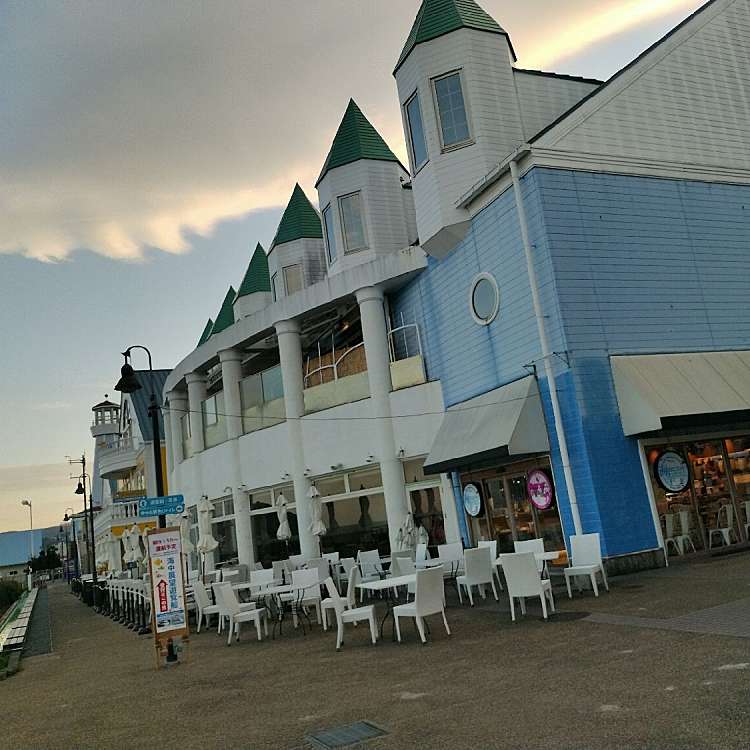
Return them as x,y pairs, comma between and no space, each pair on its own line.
146,147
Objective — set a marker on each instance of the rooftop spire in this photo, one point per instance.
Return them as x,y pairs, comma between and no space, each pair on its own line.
300,220
206,332
257,278
355,139
438,17
225,318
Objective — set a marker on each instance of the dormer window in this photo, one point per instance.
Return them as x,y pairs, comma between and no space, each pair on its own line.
330,235
451,108
416,133
350,207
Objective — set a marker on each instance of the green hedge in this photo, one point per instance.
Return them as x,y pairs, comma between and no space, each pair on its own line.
10,591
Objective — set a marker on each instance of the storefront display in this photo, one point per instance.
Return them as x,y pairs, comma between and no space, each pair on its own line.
515,502
702,491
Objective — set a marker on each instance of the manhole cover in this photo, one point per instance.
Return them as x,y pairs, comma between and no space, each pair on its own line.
346,736
568,616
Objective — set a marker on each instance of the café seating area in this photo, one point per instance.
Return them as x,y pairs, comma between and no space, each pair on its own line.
384,591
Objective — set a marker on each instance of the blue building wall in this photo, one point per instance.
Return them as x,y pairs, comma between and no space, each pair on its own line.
625,265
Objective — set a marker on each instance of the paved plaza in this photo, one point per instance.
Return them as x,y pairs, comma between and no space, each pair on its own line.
662,662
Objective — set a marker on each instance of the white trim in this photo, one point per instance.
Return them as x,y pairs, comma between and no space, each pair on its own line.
347,250
652,500
484,276
410,139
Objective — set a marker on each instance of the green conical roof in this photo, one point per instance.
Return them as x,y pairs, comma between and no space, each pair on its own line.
438,17
257,278
225,318
355,139
206,332
300,219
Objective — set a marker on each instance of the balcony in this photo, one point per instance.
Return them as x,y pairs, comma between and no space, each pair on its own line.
117,459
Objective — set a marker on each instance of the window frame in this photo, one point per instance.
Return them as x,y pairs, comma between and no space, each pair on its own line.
214,412
274,286
484,276
469,140
332,257
366,246
284,269
410,141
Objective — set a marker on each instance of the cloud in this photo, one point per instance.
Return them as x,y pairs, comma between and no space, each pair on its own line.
47,486
127,125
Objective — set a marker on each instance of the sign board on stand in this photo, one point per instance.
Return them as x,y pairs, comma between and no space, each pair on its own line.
168,606
169,505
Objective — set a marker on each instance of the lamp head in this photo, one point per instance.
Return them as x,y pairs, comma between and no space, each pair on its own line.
26,503
80,490
127,383
66,518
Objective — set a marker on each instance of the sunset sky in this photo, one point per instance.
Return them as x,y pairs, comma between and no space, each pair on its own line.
146,148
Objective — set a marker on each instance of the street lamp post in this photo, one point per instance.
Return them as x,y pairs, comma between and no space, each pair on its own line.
31,540
81,490
128,383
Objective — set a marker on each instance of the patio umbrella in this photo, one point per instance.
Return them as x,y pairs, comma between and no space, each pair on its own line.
284,532
405,535
187,544
423,536
317,527
206,542
115,560
129,537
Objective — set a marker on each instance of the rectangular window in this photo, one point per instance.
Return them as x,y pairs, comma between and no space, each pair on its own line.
454,124
416,133
330,236
351,219
273,388
292,279
210,415
274,287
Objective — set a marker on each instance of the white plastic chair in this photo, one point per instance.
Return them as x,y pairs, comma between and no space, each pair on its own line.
244,606
346,613
344,569
422,554
523,579
429,599
370,565
669,534
478,564
331,556
203,604
262,579
684,539
492,545
531,545
295,561
586,560
321,566
310,596
452,557
725,532
232,610
350,600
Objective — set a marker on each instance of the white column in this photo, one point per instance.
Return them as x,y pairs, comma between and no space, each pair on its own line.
178,406
375,336
168,442
196,383
290,354
231,375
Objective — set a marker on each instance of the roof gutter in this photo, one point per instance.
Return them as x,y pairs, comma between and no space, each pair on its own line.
493,176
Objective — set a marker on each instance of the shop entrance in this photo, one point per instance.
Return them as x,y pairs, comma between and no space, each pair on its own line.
702,491
506,512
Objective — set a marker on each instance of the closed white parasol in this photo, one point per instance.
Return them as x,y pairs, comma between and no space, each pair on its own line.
206,542
284,532
317,527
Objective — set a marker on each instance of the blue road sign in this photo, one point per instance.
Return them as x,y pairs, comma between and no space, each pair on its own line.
161,506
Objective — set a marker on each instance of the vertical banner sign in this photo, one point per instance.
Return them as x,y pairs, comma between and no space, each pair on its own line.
169,613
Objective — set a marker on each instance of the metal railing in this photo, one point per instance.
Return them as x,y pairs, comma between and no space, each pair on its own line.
333,366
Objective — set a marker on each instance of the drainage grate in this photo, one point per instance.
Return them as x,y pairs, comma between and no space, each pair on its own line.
347,736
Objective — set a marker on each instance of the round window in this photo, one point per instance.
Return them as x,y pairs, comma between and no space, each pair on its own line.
485,299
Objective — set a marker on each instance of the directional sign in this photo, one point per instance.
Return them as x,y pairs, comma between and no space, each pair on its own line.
161,506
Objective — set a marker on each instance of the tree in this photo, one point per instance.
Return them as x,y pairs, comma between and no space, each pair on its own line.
46,560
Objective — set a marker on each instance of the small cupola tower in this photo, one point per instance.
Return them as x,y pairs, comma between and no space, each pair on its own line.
105,429
367,212
296,258
255,290
459,109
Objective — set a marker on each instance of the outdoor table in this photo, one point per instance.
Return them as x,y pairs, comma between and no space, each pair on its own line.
287,588
386,586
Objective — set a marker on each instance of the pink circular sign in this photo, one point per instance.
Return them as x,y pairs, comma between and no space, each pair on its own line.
540,489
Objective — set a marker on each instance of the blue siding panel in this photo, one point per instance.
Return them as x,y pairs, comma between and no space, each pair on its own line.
625,265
